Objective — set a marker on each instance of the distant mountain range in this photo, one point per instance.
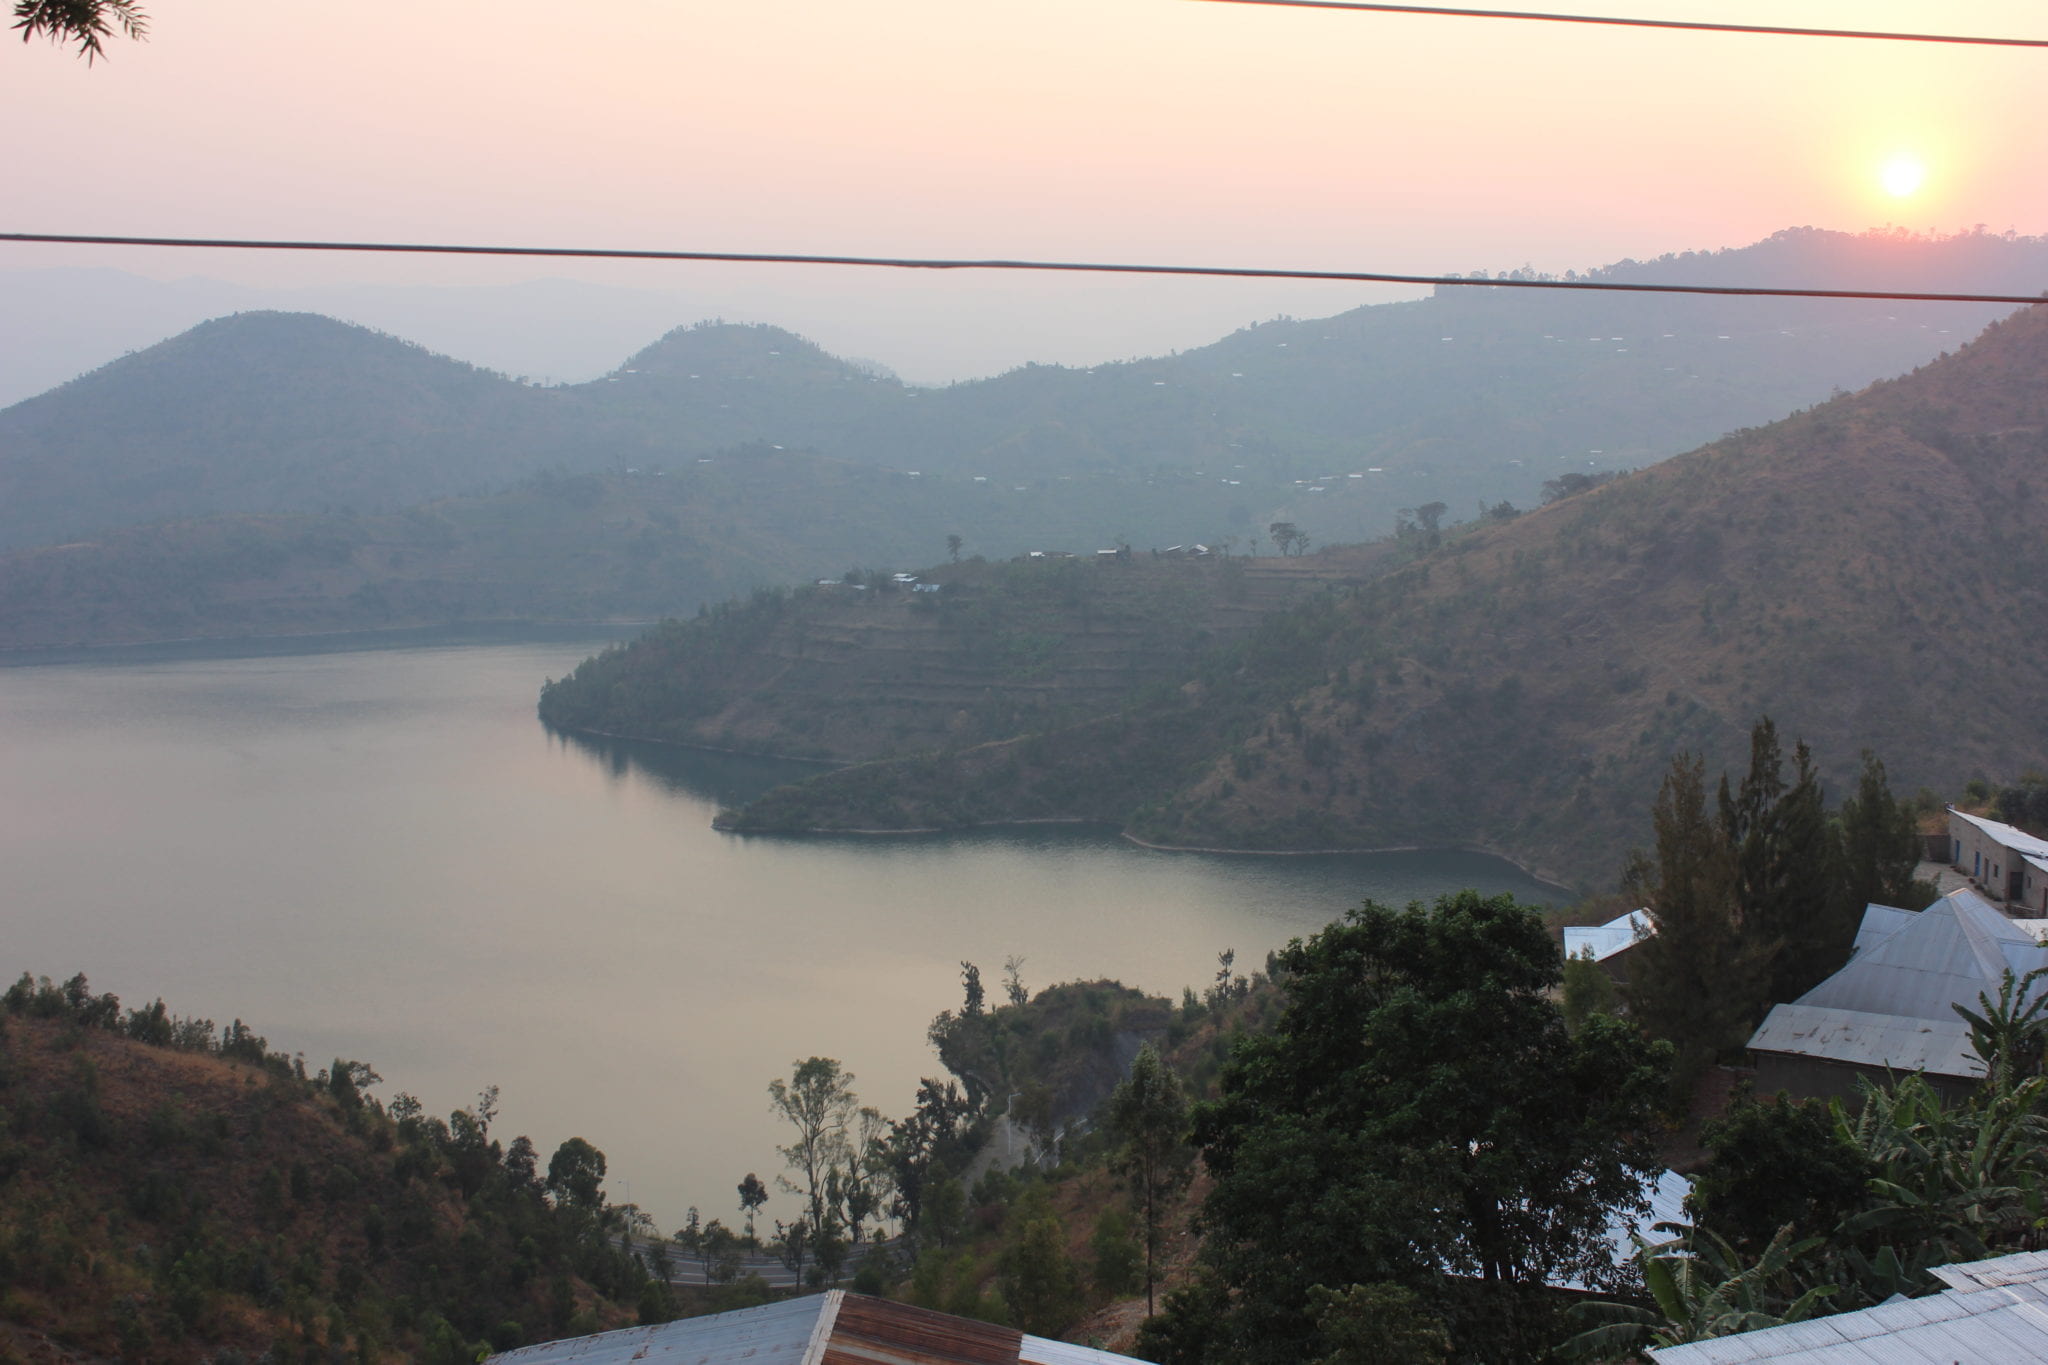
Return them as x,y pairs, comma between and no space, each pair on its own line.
1871,573
1475,394
784,463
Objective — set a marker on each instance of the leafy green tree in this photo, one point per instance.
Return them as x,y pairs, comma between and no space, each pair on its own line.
1777,1164
753,1194
576,1175
1376,1324
1116,1254
1041,1283
1479,1138
1148,1121
953,544
970,979
1587,991
84,22
818,1101
924,1147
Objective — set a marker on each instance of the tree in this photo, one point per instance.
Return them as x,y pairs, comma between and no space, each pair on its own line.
1148,1120
1285,534
1013,980
1879,843
753,1194
970,979
953,544
1041,1284
1693,980
1479,1138
1777,1164
1788,884
934,1140
84,22
576,1174
819,1102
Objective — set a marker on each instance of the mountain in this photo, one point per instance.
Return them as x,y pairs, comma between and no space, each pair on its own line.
266,412
1472,396
1872,573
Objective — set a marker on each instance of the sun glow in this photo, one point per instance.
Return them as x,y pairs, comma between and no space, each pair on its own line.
1902,175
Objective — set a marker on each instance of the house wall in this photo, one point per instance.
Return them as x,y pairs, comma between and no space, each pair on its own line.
1988,863
1814,1078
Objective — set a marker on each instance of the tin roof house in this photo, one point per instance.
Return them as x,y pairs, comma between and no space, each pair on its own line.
1609,944
833,1328
1991,1310
1890,1009
2005,862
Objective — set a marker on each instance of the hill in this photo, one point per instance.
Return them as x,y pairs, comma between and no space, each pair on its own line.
265,412
632,544
1474,395
177,1192
847,672
1872,573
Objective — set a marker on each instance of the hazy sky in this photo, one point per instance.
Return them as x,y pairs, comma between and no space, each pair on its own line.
1156,130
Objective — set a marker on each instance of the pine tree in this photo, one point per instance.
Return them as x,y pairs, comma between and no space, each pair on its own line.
1878,843
1694,981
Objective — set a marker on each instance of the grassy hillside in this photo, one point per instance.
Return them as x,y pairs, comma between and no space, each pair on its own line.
173,1191
622,545
849,672
1471,396
1873,572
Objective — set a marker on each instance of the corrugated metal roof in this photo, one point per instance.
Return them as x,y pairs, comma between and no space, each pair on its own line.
1996,1310
1667,1205
773,1334
1880,922
1041,1351
1950,953
1605,940
870,1331
1856,1038
2018,840
834,1328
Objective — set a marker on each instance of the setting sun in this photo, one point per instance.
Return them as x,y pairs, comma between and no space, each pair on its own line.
1902,175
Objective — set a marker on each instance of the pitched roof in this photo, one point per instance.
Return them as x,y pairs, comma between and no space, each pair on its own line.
1892,1005
1992,1310
1879,921
1950,953
1605,940
833,1328
2018,840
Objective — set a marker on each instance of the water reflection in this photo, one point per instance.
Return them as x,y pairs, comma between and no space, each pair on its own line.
721,779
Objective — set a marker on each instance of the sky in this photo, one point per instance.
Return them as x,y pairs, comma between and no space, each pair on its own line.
1133,130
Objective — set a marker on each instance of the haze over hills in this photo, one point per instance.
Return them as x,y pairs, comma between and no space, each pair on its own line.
1872,573
1471,396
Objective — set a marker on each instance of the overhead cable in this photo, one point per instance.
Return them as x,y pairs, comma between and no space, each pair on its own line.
1068,267
1693,26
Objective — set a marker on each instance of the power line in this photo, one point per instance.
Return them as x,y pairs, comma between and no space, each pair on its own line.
1069,267
1690,26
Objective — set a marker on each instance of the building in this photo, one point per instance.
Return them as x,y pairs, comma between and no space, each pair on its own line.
1991,1311
2006,863
1609,944
833,1328
1890,1009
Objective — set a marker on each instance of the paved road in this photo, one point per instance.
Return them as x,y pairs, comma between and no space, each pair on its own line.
688,1269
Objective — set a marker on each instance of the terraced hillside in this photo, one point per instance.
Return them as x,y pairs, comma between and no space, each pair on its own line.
849,672
1872,573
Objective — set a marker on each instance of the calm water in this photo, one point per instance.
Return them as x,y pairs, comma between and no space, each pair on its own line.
383,856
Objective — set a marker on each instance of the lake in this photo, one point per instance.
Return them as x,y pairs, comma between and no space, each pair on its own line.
382,855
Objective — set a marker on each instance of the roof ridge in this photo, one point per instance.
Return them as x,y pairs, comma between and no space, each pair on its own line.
821,1329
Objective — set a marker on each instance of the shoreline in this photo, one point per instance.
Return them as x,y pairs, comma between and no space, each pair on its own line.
510,631
1125,835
